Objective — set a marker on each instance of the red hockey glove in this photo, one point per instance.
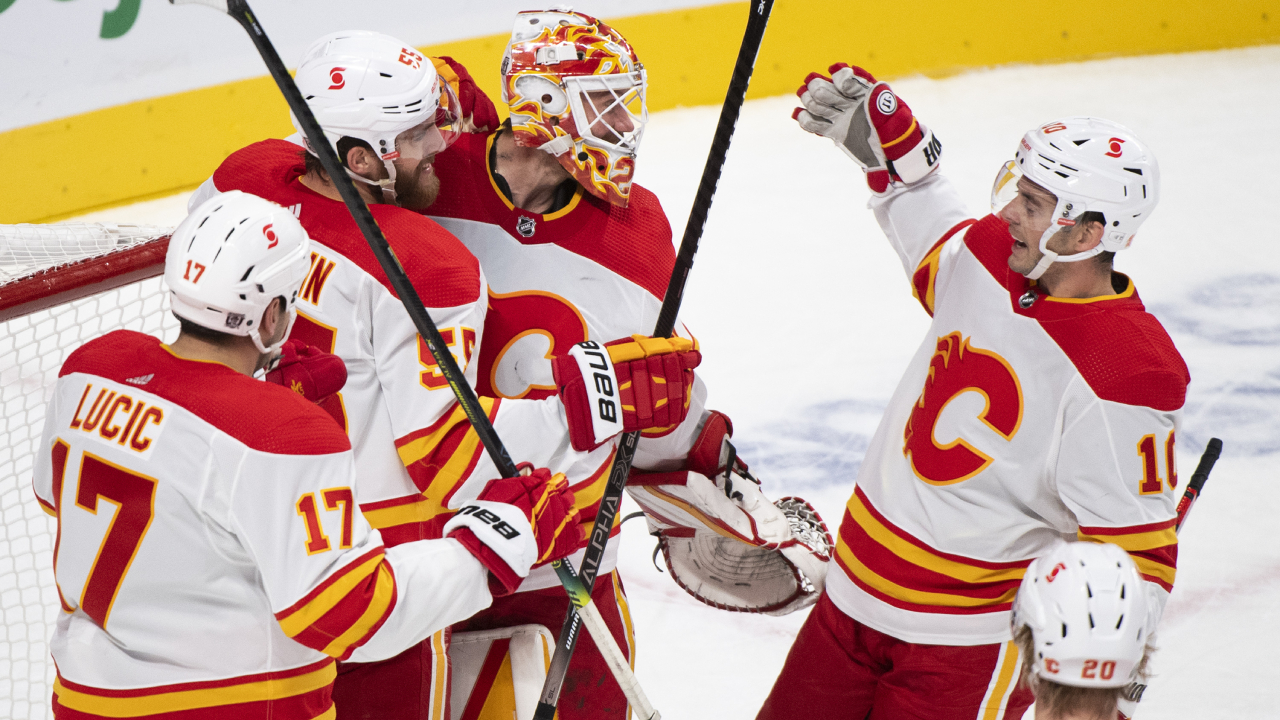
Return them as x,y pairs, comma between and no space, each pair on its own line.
475,109
711,453
871,124
308,371
516,523
629,384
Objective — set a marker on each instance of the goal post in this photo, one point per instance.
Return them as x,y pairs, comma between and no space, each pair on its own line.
60,286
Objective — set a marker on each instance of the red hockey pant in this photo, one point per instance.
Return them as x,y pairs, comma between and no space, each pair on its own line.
840,669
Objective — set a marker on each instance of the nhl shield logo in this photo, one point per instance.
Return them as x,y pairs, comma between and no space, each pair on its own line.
525,226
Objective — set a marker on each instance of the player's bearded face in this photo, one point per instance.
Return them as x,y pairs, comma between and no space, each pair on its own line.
417,185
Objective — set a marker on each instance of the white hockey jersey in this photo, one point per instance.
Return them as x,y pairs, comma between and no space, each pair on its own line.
210,557
1022,419
416,454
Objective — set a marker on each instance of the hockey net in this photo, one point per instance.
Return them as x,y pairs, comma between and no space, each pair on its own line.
60,286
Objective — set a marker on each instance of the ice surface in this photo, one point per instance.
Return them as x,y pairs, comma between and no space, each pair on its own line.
806,323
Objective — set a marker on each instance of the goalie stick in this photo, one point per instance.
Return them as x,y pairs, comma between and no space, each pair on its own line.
241,12
757,20
1133,691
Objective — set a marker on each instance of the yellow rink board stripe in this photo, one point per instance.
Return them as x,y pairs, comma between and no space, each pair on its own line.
146,149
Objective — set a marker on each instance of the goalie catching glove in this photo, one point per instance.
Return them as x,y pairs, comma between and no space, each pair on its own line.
309,371
870,124
723,541
627,385
516,523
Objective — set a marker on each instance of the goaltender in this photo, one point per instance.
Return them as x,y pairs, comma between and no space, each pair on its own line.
211,560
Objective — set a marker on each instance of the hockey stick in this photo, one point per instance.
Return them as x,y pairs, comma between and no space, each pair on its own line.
1198,478
1133,691
612,499
239,9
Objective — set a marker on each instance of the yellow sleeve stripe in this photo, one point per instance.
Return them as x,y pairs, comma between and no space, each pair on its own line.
420,510
923,558
918,597
373,614
308,614
1147,566
169,702
1137,542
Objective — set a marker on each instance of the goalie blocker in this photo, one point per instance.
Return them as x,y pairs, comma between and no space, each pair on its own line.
723,541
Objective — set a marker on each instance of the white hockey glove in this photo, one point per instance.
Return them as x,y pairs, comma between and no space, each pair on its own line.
870,124
723,541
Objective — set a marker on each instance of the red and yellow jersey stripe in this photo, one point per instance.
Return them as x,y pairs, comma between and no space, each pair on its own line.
904,571
925,276
299,694
1153,547
346,609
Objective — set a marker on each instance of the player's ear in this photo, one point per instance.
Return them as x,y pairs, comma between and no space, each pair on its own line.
363,162
273,318
1089,234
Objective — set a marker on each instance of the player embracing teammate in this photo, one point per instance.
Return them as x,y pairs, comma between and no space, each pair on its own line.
1079,395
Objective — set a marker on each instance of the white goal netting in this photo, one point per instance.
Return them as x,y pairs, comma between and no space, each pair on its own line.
64,269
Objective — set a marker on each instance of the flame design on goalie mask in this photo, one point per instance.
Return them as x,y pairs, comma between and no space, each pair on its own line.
576,89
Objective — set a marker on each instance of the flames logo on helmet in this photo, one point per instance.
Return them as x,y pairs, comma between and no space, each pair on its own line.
272,240
1115,148
335,76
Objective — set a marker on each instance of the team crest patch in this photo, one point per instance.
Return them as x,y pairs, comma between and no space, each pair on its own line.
525,226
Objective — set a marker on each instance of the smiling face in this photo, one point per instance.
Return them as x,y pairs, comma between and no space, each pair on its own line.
1029,214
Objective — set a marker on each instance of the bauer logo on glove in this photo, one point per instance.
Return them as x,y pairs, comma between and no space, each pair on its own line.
637,383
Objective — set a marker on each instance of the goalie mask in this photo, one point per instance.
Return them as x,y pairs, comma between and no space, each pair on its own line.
372,87
576,89
726,545
230,258
1090,164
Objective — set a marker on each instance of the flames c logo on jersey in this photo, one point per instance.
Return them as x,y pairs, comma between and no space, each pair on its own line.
335,77
956,368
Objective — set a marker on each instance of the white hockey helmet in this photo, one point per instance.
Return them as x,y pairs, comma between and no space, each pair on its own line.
1091,165
1088,613
375,88
229,259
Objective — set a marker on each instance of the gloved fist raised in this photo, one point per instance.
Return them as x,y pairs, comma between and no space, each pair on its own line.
475,112
308,371
635,383
870,123
516,523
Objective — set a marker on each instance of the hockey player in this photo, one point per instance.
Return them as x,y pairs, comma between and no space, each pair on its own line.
1042,405
574,251
384,108
210,558
1081,622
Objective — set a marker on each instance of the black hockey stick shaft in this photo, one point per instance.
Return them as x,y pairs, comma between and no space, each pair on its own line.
239,9
1198,478
757,21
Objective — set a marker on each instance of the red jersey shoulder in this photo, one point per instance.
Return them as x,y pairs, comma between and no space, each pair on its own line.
1122,351
442,270
261,415
634,242
264,169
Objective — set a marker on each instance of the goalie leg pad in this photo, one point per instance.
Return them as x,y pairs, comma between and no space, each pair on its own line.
500,671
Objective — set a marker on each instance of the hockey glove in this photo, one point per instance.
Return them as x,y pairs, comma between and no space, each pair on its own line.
870,124
516,523
631,384
475,110
308,371
728,546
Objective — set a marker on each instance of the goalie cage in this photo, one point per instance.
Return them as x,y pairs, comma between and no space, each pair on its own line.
60,286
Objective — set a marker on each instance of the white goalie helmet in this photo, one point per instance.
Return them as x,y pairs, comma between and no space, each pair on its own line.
1091,165
230,258
1088,612
375,88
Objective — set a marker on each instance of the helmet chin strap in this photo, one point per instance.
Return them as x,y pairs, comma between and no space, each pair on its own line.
386,185
256,335
1049,257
